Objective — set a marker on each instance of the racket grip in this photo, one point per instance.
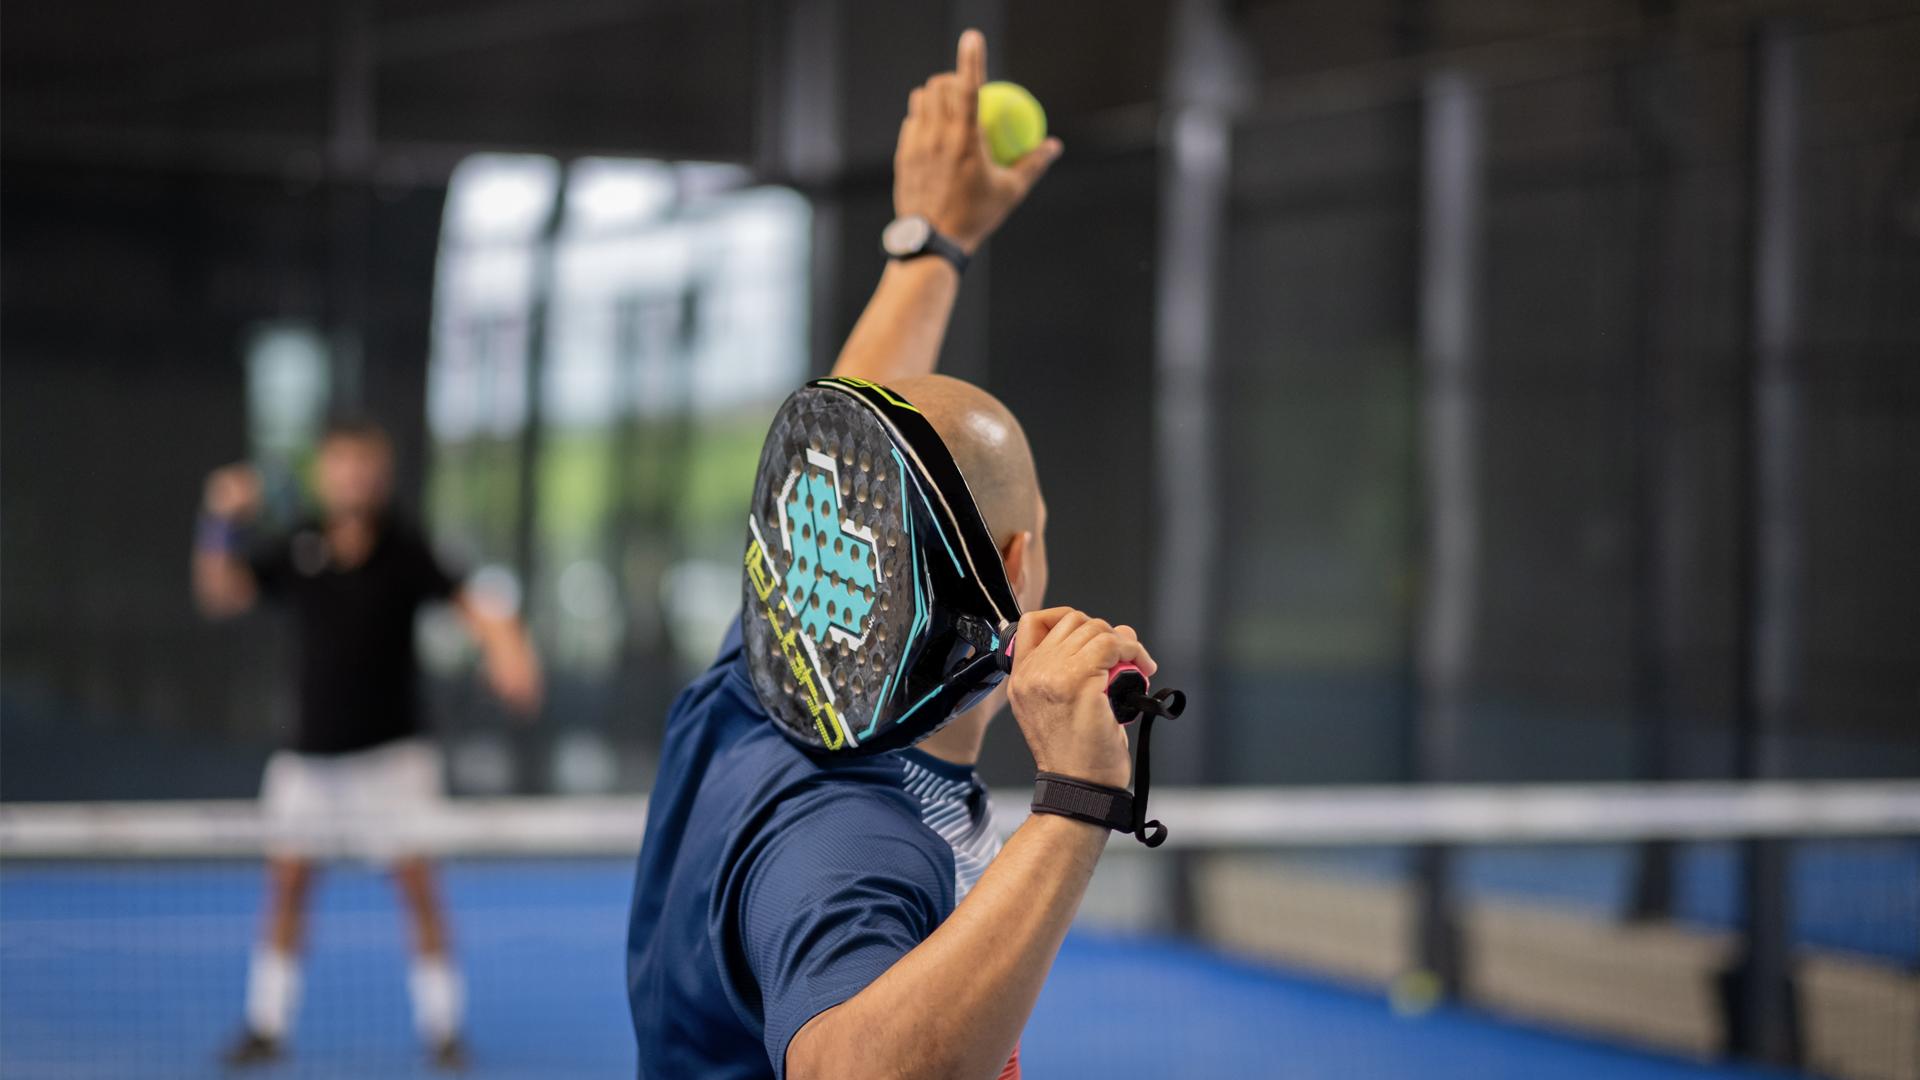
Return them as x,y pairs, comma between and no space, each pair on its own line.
1124,680
1126,676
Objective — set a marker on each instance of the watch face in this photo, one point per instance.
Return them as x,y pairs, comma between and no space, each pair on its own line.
906,236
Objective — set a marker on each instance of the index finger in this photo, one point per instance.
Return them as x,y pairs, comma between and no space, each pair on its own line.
1034,626
1127,633
1132,649
971,62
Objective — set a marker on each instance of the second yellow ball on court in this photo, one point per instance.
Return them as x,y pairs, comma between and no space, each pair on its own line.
1012,120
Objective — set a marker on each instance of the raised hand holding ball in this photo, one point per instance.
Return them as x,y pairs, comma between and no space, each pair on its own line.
1012,121
969,150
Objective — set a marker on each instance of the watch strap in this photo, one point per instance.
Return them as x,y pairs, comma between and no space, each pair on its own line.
936,244
948,250
1081,800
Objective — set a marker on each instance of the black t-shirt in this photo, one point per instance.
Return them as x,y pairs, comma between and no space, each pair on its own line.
354,640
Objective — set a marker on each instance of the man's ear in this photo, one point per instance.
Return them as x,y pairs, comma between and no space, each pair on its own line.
1013,554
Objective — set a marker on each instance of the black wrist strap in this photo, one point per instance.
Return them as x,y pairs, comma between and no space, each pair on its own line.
950,251
1081,800
218,535
1116,808
943,247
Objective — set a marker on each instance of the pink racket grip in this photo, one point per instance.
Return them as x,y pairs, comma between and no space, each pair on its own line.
1123,670
1124,680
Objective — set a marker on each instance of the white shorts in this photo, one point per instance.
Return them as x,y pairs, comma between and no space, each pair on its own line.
371,804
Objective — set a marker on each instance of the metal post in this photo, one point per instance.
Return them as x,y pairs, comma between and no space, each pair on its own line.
349,169
801,139
1209,77
1452,202
526,519
1771,685
1208,80
1661,505
966,354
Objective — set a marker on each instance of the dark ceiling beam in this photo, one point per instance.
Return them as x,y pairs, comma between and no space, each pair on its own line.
294,159
179,78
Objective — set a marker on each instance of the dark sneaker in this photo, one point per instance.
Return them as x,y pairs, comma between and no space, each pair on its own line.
450,1056
252,1048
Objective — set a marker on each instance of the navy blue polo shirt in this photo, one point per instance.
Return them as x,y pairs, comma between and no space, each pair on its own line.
773,886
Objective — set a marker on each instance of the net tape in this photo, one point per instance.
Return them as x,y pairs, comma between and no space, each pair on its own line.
1216,818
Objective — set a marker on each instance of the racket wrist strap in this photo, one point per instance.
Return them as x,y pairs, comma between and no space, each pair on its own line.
1083,800
219,536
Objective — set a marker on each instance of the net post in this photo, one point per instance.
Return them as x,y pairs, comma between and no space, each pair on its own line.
1209,80
1452,204
1762,1021
1663,513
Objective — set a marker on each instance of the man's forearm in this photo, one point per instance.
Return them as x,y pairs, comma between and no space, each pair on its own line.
506,650
223,586
899,334
504,644
984,967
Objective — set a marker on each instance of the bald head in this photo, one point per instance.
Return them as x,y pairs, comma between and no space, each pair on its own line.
988,445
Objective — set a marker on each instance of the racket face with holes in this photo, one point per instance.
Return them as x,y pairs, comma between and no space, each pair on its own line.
874,594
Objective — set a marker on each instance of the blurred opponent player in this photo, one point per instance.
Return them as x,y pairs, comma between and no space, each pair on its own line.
811,918
360,768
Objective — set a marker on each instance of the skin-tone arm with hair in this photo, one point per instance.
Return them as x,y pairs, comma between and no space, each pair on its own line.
943,172
223,586
985,964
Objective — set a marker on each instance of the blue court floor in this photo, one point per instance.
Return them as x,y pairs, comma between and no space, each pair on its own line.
136,971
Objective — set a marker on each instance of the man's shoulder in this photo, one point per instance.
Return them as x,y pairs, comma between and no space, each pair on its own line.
721,740
868,796
403,531
273,537
717,707
841,829
807,794
853,816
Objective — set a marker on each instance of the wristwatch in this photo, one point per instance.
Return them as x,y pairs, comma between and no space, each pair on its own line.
912,236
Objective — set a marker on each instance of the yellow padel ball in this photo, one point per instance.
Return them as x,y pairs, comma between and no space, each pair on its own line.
1012,120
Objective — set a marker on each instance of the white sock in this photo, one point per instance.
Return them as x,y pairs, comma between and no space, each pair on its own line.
439,996
273,991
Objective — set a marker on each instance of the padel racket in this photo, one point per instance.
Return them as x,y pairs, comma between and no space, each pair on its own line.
875,597
877,608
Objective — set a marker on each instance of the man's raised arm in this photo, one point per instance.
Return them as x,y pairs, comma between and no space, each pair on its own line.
223,584
943,174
